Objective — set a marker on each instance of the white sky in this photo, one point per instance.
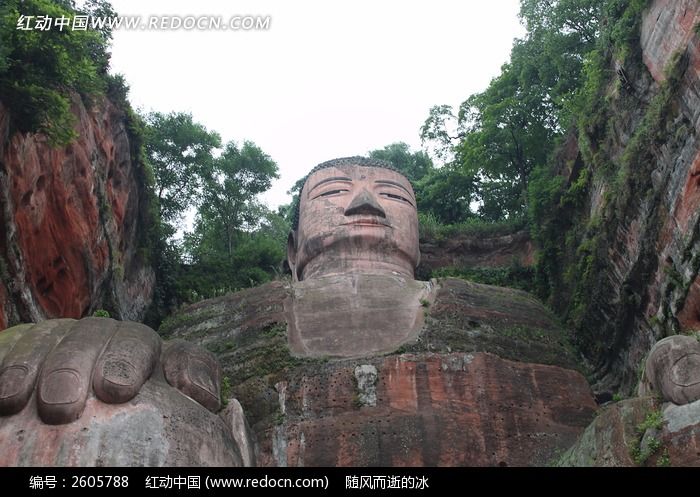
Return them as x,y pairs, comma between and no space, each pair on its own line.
328,78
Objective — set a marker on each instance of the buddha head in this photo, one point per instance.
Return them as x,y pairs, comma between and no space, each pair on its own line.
355,215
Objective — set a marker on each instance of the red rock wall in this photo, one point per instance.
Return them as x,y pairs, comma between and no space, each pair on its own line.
489,381
650,285
434,410
477,251
71,221
669,28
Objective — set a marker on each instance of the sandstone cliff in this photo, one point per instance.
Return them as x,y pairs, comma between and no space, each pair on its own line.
625,253
490,380
74,222
466,251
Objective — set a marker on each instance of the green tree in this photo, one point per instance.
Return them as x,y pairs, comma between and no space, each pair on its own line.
181,154
508,131
415,165
236,241
499,136
40,70
228,197
560,35
447,193
435,133
210,272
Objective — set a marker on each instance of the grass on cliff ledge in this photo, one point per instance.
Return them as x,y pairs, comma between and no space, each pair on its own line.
431,229
514,275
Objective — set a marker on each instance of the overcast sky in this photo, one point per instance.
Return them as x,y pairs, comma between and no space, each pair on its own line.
327,79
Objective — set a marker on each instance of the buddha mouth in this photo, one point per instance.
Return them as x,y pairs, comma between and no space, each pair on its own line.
368,221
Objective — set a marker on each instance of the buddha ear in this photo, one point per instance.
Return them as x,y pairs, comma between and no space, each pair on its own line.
292,254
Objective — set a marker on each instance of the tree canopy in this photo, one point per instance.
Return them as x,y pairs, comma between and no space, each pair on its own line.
229,211
499,136
180,152
415,165
235,241
40,69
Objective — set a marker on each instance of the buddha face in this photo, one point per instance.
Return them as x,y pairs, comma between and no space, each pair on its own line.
355,218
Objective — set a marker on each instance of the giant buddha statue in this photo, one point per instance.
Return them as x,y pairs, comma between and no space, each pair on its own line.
352,362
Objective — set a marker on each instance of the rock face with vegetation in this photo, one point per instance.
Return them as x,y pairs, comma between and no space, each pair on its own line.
74,221
639,246
620,244
661,426
639,432
74,211
490,380
478,251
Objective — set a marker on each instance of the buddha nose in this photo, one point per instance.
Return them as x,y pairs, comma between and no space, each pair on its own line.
365,203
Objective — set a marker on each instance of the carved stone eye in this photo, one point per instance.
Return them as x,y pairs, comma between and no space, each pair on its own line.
396,197
332,192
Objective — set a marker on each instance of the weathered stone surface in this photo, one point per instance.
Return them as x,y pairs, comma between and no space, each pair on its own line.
355,315
234,318
445,402
431,409
3,304
648,243
243,436
64,360
681,434
356,364
355,215
97,392
639,432
689,314
159,427
510,323
476,251
193,371
366,377
247,331
673,369
668,26
609,440
73,219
